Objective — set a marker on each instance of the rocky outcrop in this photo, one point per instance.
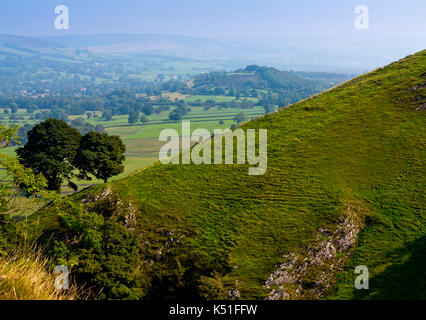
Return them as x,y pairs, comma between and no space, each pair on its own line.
234,294
418,86
311,272
173,238
112,206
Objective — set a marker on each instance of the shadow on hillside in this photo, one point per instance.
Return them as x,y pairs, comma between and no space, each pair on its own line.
402,281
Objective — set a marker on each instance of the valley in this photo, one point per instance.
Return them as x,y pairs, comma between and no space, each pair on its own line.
216,100
339,186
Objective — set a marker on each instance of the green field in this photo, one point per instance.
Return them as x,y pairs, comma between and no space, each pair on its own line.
142,140
218,99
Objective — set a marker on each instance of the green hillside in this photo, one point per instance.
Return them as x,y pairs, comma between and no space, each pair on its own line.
256,77
347,160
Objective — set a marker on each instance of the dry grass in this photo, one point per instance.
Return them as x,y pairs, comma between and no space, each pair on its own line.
26,276
175,96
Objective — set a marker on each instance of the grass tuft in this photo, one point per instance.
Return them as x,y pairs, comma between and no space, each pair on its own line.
27,275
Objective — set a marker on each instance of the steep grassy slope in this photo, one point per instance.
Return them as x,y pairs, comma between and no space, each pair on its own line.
357,149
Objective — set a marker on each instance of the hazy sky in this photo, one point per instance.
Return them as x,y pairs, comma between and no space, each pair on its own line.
214,18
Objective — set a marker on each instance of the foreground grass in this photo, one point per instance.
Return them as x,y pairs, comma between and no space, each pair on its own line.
26,276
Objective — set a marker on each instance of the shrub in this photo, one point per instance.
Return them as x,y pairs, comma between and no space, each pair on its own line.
213,288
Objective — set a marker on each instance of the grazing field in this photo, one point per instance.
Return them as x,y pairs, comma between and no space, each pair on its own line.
141,140
175,95
218,99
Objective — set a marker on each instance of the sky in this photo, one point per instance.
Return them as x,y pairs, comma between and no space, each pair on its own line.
215,18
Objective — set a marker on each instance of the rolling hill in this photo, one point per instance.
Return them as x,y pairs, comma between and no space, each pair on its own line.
289,84
342,54
13,45
255,76
344,187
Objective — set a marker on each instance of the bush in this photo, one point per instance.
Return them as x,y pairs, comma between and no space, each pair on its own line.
108,255
241,117
213,288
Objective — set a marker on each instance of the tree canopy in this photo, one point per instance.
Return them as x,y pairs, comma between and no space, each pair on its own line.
59,152
50,150
18,182
241,117
133,117
100,155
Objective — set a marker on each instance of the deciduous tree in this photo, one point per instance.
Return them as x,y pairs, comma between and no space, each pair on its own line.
101,155
50,150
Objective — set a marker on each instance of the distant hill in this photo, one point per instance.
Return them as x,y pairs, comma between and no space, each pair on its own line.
344,187
168,45
28,42
89,40
345,54
349,54
272,86
14,45
257,77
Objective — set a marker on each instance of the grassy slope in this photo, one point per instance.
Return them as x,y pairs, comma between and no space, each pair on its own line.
361,143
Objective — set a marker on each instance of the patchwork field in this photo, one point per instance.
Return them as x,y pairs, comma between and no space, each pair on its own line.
141,140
